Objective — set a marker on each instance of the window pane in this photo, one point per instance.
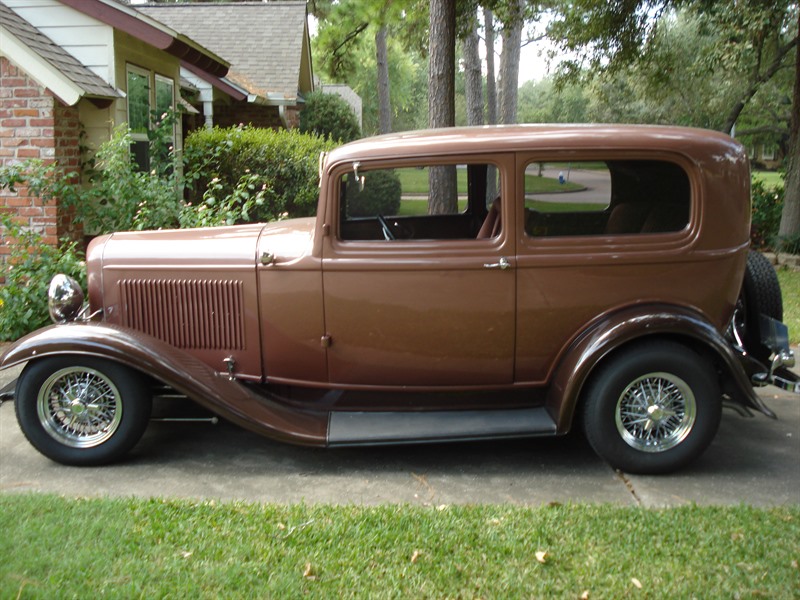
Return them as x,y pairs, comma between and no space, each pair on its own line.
402,198
164,95
138,102
609,198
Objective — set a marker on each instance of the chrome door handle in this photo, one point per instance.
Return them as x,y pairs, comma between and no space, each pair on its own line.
502,264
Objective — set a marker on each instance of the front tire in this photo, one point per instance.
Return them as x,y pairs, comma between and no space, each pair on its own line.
80,410
652,408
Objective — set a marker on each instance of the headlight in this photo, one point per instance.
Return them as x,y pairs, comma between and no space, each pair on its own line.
64,298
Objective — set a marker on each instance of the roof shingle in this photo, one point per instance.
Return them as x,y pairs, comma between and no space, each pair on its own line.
262,41
88,81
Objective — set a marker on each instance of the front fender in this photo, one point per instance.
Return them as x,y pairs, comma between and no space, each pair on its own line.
636,323
261,413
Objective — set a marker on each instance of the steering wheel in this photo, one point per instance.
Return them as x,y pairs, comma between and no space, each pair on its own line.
387,232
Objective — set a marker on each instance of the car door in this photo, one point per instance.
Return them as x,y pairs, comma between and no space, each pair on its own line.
418,312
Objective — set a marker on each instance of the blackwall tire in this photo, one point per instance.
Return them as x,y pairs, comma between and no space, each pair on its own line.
652,408
80,410
761,294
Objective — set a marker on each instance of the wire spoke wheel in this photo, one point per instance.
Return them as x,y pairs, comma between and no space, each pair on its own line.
652,407
656,412
79,407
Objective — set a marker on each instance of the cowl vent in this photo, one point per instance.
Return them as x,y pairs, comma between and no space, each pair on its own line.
200,314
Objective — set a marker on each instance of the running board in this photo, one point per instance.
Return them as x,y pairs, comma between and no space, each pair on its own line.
376,428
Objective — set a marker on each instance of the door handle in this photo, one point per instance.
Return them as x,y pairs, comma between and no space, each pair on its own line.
502,264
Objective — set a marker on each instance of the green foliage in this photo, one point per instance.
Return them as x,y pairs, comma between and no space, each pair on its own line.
28,270
276,173
345,47
790,290
122,198
380,196
160,548
767,207
328,115
222,208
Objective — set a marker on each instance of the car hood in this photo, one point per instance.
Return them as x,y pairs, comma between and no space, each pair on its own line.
224,247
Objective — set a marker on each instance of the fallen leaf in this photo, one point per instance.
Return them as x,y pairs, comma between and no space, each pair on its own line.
542,556
415,556
636,582
309,572
186,553
794,564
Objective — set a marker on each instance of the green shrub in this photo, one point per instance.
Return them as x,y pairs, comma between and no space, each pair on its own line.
329,115
123,198
28,270
282,165
380,196
767,206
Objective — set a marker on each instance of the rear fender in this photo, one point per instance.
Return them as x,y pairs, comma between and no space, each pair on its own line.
261,413
637,323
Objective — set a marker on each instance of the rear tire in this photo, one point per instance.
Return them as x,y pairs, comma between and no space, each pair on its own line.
652,408
79,410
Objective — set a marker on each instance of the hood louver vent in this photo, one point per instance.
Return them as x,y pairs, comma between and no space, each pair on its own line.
186,313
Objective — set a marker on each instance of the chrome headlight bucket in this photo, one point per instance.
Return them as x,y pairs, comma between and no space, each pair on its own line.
64,298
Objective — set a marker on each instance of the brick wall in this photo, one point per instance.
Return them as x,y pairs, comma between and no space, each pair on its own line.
35,124
247,114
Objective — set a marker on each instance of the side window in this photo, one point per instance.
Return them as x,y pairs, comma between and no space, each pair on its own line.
605,198
139,114
413,202
148,93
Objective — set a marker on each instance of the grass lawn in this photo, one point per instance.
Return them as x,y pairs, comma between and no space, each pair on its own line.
770,178
790,288
56,547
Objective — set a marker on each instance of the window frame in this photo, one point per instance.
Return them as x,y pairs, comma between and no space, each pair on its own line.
152,79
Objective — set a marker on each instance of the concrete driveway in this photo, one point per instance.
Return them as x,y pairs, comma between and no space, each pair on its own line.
754,461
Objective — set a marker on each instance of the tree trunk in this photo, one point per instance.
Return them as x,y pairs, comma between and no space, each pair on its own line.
441,99
384,98
790,217
491,85
491,97
509,64
473,78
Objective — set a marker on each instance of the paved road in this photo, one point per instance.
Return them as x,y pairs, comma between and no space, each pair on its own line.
756,461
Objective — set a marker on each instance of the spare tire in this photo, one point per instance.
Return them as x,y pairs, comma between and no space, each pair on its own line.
761,294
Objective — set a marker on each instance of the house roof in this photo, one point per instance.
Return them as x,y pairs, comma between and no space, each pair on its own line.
134,22
53,66
267,44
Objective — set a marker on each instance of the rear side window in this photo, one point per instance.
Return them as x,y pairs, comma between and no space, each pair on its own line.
605,198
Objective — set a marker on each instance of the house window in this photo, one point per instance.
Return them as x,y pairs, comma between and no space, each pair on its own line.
149,96
165,95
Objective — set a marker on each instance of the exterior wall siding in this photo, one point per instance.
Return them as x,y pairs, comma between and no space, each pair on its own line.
83,36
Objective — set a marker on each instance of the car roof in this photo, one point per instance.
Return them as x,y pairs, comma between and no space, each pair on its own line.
697,143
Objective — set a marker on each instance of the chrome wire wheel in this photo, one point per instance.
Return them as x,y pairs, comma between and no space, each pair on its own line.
656,412
79,407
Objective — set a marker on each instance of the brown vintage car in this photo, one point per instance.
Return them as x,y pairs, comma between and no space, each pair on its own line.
567,275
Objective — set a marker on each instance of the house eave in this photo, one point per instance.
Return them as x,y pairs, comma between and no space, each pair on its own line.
152,32
44,73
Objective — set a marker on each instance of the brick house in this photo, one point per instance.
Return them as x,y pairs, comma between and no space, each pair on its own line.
70,70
